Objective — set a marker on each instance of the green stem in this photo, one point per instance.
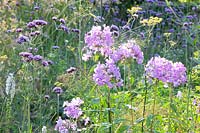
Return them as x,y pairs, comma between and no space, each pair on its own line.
58,103
170,105
109,111
29,115
145,99
154,104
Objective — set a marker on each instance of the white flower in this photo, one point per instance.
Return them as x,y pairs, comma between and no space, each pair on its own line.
10,85
44,129
179,94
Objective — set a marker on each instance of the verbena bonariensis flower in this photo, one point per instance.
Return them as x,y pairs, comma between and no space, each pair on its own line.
108,74
37,58
21,39
19,30
36,23
128,50
100,39
46,63
72,109
40,22
166,71
58,90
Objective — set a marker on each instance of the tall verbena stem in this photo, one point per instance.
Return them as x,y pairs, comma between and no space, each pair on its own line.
58,103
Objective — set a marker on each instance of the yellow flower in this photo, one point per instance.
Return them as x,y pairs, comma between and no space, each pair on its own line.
151,21
3,58
134,10
58,84
196,54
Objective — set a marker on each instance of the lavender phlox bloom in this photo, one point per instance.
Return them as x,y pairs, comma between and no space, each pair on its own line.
100,39
166,71
108,74
128,50
72,109
62,125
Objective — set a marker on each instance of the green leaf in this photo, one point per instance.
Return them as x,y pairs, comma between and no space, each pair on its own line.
149,120
139,120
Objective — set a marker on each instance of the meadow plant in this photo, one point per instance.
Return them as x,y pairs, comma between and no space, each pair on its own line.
121,66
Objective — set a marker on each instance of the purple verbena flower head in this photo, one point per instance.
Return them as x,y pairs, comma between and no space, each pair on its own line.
58,90
75,30
114,28
71,70
25,54
64,28
54,18
37,58
46,97
62,21
21,39
32,34
36,7
40,22
27,57
45,63
126,27
19,30
31,25
55,47
50,62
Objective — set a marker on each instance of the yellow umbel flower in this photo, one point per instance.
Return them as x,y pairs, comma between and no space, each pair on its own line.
134,10
151,21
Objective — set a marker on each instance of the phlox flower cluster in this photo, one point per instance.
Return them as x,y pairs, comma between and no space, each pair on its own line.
64,126
107,74
166,71
100,40
73,111
128,50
